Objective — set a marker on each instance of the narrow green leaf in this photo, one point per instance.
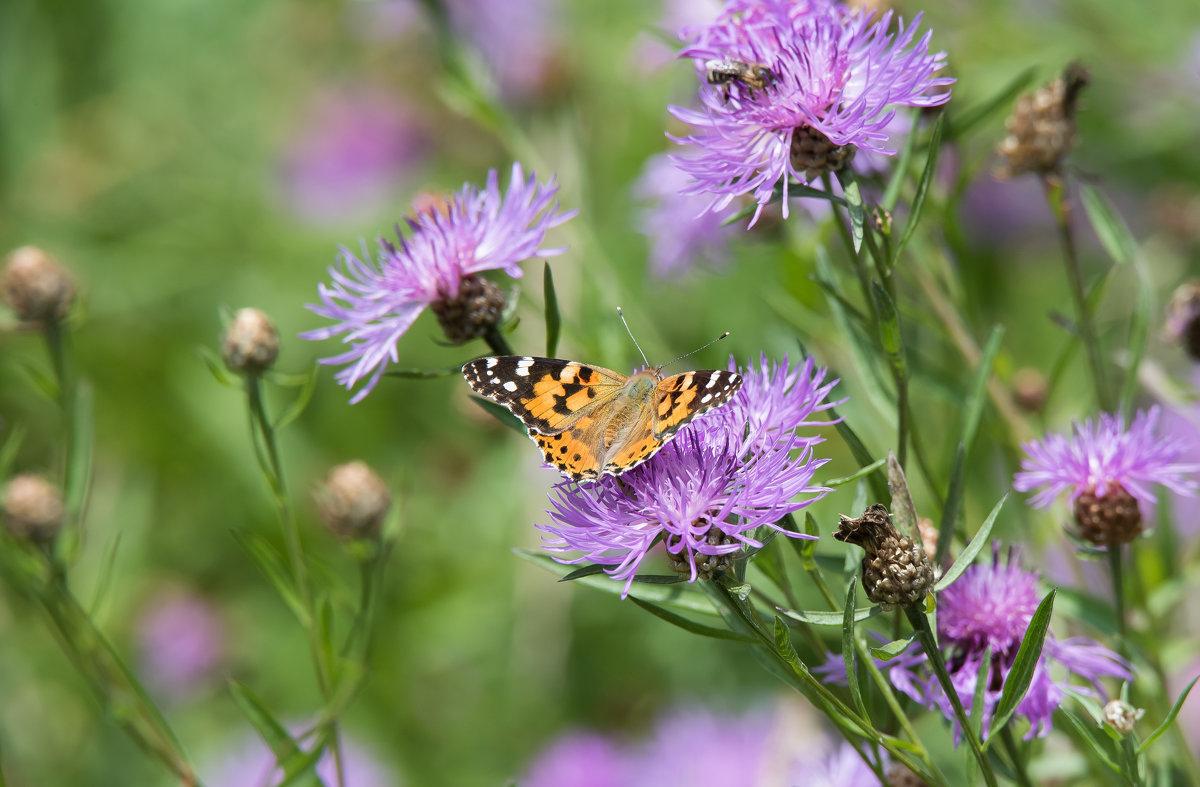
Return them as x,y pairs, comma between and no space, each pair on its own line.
854,206
8,451
502,414
807,547
1112,231
962,122
889,323
950,511
980,695
904,512
677,595
862,456
783,646
1139,330
1090,735
216,366
273,733
1021,672
821,618
553,318
303,397
272,566
918,203
967,556
104,580
690,625
977,393
893,649
1162,728
860,473
848,654
589,570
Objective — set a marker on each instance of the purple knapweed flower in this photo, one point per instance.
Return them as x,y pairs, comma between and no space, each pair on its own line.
732,470
181,642
696,746
832,80
579,759
352,149
681,232
1107,469
374,303
991,606
842,767
516,40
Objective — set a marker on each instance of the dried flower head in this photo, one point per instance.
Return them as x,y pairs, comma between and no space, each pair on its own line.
1107,469
38,289
437,265
33,507
791,90
1041,129
1121,716
988,611
1029,389
1183,318
895,571
353,500
251,342
724,475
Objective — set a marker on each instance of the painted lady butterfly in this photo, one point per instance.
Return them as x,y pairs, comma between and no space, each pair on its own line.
588,420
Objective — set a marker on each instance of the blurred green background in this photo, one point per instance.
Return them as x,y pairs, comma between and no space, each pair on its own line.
184,157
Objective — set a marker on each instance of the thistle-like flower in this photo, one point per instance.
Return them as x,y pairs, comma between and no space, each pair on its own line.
727,473
990,608
438,265
1108,470
800,85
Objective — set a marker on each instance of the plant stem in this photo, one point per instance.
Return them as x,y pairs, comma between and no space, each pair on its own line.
1118,579
1056,195
920,624
1014,754
497,342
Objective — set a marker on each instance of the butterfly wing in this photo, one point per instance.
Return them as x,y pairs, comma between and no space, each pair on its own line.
547,394
680,398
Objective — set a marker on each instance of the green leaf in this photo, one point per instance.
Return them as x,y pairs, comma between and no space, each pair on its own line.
1112,231
848,654
1079,605
977,393
950,511
861,455
854,206
1139,330
273,567
861,472
962,122
104,580
783,646
678,595
216,366
293,410
967,556
1090,734
821,618
889,324
1021,672
503,415
894,648
980,695
914,214
690,625
590,570
1162,728
273,733
553,318
8,451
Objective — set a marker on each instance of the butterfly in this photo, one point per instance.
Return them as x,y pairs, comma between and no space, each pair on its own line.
589,421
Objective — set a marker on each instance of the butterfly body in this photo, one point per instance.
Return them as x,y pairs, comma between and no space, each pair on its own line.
590,421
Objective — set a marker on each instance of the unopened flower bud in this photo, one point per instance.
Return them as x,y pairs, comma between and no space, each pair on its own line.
1112,519
33,507
353,501
1121,716
476,309
1029,389
1041,129
251,342
1183,318
895,571
38,289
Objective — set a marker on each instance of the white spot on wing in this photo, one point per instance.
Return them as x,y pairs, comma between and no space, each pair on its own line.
492,362
712,380
510,386
705,398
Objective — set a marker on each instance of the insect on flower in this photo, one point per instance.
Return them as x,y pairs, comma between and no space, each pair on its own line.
726,72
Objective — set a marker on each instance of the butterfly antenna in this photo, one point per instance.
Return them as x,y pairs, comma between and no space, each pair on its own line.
635,341
698,349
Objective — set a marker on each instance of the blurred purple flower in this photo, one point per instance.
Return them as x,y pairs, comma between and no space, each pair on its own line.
836,77
515,39
695,746
181,642
579,759
991,606
248,762
735,469
842,767
1103,457
681,231
351,150
373,304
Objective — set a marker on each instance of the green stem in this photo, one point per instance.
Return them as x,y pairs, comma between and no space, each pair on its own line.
1116,568
920,624
1014,754
497,342
1057,197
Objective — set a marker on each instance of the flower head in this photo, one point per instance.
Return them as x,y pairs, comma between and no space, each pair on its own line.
579,759
825,83
1107,469
437,265
681,232
738,468
182,642
990,607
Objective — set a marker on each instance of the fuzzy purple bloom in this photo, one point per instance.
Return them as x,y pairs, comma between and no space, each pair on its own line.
681,231
735,469
374,303
833,72
696,746
181,642
1103,456
579,759
991,606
